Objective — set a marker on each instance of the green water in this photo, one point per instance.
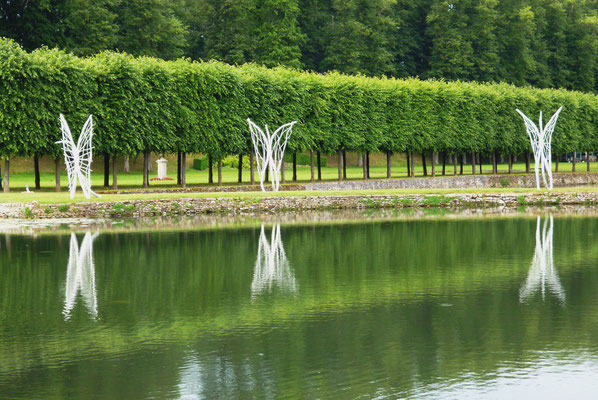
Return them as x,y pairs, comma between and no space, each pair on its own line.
439,309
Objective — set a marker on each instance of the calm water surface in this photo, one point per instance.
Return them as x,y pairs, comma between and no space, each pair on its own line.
439,309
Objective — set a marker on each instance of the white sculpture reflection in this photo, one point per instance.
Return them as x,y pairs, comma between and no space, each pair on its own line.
542,274
78,156
269,150
272,268
541,141
80,276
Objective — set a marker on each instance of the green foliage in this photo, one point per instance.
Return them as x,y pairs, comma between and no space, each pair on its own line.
63,208
201,163
504,182
146,104
27,212
305,159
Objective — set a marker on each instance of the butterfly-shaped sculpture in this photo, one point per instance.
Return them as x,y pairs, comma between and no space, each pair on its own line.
269,150
78,156
541,141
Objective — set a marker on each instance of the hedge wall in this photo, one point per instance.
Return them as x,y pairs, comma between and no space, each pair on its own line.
148,104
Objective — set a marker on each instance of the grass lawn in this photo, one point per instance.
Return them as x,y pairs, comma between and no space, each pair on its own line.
197,178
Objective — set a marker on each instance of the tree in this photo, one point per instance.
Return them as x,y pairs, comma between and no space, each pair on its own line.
150,28
90,26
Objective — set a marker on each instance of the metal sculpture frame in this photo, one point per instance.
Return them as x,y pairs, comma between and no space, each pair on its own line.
541,141
542,273
269,150
272,267
78,156
80,276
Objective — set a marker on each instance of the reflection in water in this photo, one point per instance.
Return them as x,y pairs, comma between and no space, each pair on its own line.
80,275
272,266
542,273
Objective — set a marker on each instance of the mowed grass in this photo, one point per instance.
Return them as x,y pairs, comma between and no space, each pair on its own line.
195,178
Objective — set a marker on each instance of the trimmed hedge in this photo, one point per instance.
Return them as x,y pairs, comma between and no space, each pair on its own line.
144,104
201,163
305,159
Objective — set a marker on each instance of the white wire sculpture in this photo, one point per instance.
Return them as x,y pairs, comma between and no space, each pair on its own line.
80,276
542,274
78,157
272,268
541,141
269,150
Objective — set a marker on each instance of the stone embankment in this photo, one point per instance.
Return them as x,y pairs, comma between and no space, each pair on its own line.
249,205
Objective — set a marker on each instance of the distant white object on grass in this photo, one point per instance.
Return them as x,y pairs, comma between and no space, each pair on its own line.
269,150
78,157
162,173
27,189
541,140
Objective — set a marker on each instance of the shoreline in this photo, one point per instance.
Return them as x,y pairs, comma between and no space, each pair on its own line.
192,206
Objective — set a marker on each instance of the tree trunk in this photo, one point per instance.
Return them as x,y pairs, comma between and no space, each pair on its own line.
412,165
340,163
6,175
365,171
527,162
388,164
295,166
210,169
57,168
178,168
283,178
588,160
424,163
219,171
267,177
311,165
319,165
367,162
480,162
462,161
473,163
510,163
494,169
408,165
344,164
127,167
145,169
251,171
434,157
36,170
107,170
240,180
360,159
443,163
573,164
114,174
183,169
556,164
455,161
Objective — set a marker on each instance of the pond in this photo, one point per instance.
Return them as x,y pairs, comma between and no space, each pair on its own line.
439,308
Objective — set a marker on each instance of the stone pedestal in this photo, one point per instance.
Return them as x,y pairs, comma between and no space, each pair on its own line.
162,174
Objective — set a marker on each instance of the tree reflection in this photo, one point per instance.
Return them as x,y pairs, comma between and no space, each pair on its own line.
80,276
542,274
272,268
